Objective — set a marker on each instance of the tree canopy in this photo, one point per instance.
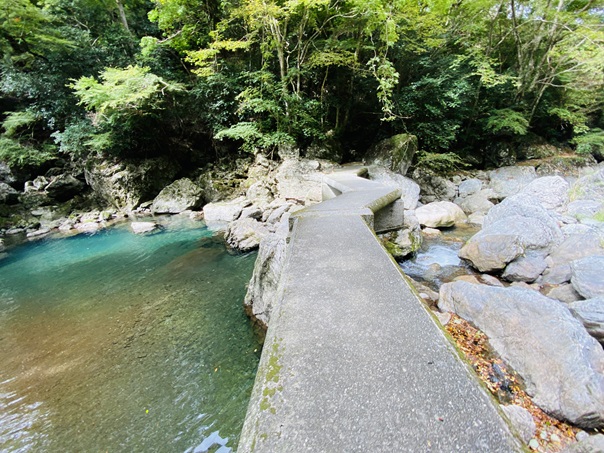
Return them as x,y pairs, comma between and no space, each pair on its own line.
195,78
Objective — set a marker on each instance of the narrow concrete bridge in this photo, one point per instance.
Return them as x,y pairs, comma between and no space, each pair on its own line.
353,361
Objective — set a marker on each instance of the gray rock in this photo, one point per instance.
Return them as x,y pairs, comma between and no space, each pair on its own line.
395,153
409,188
477,203
179,196
144,227
434,187
476,218
260,194
40,183
507,181
88,227
440,214
586,276
514,227
124,184
6,176
561,365
8,195
564,293
521,420
589,187
590,444
591,313
245,234
299,180
218,215
252,212
2,246
584,208
572,248
277,213
525,268
408,241
523,205
262,290
469,187
551,191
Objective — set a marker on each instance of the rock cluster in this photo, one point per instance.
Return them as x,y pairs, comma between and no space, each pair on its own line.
544,236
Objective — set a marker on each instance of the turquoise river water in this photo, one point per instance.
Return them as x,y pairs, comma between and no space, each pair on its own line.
122,343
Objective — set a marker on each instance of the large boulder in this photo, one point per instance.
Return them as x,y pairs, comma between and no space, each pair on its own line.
218,215
245,234
469,187
301,180
479,202
589,187
125,184
64,187
409,188
561,365
507,181
440,214
434,187
8,195
591,313
589,444
586,276
179,196
514,227
551,191
395,153
574,247
262,292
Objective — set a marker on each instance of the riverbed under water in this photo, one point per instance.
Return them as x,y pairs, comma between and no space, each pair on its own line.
118,342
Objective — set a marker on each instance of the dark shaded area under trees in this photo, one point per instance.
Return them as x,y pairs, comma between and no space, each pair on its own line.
202,80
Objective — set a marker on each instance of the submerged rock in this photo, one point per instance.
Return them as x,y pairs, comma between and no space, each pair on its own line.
144,227
179,196
561,365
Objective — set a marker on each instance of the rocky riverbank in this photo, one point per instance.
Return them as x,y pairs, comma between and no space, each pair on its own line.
537,292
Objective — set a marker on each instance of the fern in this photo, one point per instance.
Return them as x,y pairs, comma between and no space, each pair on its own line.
507,122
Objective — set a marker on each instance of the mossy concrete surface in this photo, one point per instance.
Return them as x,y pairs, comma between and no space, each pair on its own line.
353,362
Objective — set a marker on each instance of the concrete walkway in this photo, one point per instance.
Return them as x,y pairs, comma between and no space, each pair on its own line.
353,362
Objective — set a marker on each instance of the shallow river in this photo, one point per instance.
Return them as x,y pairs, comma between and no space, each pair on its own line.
116,342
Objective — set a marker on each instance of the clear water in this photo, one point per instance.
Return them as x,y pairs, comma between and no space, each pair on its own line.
437,261
117,342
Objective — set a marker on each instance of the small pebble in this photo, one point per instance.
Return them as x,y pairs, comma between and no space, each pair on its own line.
555,438
543,435
533,444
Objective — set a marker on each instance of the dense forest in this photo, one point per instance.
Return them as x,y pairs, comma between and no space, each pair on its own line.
207,79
